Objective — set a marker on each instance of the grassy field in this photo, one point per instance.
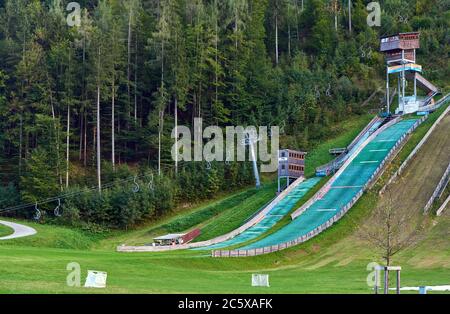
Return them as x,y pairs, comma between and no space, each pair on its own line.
4,230
333,262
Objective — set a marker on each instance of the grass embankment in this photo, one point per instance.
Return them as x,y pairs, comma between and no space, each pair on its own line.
412,142
345,133
51,236
330,263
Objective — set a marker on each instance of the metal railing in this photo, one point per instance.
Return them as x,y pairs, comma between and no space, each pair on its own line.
443,206
437,105
328,223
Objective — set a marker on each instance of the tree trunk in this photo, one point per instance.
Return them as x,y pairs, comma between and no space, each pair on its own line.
161,111
99,170
67,145
176,135
113,131
135,80
20,144
81,137
129,60
85,140
276,38
335,15
56,127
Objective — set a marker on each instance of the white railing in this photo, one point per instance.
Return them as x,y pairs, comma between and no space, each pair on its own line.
437,105
328,223
443,206
438,190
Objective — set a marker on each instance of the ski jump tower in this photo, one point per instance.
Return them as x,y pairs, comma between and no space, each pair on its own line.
400,52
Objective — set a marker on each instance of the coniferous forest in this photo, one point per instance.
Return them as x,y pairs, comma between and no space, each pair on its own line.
92,106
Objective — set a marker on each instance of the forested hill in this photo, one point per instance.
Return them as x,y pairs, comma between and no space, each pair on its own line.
116,84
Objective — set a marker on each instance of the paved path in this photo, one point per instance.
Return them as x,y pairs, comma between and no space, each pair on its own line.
20,231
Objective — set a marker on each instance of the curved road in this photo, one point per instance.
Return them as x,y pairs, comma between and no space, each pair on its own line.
20,231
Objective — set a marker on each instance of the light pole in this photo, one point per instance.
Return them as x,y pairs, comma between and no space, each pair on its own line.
250,141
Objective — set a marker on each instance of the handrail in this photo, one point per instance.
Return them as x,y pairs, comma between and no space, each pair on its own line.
328,223
443,206
361,134
437,105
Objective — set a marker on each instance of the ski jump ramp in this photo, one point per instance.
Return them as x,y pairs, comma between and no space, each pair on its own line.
338,195
260,223
371,150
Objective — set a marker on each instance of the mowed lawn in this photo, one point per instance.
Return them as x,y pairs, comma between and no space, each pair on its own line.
5,230
322,266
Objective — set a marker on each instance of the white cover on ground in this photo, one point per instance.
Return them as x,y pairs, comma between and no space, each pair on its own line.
96,279
259,280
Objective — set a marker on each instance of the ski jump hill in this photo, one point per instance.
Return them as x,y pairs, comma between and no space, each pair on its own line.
356,171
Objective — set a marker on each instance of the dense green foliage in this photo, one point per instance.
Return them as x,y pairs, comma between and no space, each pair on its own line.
76,100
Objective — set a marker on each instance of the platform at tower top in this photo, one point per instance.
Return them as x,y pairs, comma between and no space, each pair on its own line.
401,41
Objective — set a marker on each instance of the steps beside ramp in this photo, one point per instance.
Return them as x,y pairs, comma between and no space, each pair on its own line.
422,82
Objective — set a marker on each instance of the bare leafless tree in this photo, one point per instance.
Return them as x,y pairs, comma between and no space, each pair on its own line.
391,228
